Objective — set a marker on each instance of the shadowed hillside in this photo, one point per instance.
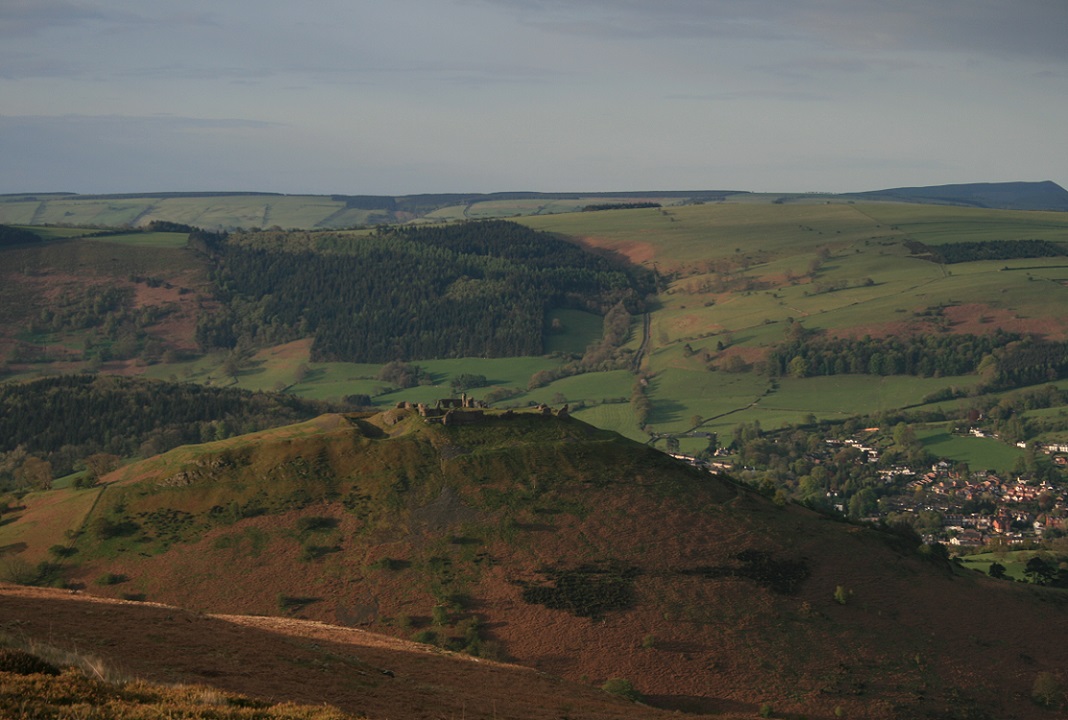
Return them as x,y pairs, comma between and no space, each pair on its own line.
571,550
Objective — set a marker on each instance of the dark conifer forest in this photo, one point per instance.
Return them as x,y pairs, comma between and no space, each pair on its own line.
66,418
16,236
478,289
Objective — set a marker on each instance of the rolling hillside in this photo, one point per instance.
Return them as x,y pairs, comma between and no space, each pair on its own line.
229,210
264,210
567,549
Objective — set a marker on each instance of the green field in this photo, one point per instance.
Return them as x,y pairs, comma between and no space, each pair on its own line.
591,388
277,369
578,330
223,211
46,517
57,233
261,210
151,239
840,395
616,417
979,453
1014,561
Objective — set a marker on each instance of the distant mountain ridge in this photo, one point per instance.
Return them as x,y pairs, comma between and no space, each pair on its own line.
1045,195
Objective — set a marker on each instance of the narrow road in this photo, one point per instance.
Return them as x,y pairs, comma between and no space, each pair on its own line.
647,325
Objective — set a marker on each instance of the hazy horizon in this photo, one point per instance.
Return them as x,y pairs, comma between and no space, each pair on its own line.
415,96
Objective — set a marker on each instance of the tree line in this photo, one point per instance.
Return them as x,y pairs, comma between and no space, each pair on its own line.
1028,362
620,206
959,252
806,354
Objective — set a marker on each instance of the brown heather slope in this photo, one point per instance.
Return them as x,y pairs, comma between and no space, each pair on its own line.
577,553
169,284
286,660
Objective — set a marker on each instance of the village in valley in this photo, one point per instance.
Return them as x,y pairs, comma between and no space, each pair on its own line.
976,507
967,509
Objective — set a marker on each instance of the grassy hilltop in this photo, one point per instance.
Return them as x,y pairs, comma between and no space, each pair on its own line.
563,547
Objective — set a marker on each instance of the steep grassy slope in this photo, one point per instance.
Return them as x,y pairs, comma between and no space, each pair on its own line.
576,552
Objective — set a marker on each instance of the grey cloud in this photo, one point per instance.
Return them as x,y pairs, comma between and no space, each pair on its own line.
456,74
745,95
21,65
28,18
124,123
21,18
191,72
653,19
806,68
1009,28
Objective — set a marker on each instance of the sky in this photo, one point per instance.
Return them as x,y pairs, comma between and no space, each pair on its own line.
396,97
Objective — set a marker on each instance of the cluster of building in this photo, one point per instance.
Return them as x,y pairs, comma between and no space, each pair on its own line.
1013,510
1022,510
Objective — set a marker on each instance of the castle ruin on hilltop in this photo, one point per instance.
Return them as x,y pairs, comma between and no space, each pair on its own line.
468,411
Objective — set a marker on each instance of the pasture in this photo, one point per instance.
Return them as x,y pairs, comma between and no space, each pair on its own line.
614,416
45,516
592,388
680,395
276,369
572,331
207,211
150,239
1015,561
979,453
939,224
841,396
57,233
678,237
